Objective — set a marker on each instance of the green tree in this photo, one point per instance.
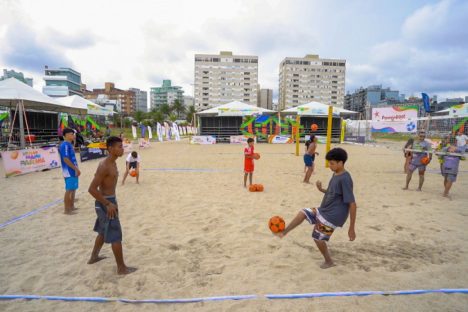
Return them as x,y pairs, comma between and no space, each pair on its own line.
172,117
191,113
165,109
139,116
157,116
178,108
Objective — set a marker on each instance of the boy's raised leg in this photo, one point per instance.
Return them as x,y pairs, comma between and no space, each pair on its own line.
298,219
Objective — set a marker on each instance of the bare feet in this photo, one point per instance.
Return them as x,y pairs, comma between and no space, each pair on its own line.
327,265
96,259
69,212
125,270
280,234
75,208
405,188
419,190
447,196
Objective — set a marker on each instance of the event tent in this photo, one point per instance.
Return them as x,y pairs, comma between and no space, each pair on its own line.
16,94
235,108
90,108
12,91
316,109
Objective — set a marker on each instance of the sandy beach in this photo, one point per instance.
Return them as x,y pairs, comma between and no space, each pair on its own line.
199,233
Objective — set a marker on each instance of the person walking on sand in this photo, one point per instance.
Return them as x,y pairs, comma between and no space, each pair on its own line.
107,224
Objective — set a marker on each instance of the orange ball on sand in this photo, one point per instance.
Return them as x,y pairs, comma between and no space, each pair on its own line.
259,187
253,188
133,173
276,224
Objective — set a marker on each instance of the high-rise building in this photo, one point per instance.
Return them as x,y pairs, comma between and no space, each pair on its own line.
62,82
223,78
141,100
364,98
310,78
18,75
126,99
265,98
166,94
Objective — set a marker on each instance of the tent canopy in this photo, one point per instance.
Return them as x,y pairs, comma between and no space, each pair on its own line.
85,105
235,108
459,110
13,90
316,109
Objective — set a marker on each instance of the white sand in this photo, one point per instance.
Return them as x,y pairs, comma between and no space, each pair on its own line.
196,234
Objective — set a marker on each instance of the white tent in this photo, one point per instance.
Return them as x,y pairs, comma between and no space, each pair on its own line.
12,90
14,93
235,108
87,106
316,109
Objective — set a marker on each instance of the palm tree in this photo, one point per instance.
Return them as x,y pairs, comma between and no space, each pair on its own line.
139,116
165,109
190,113
178,107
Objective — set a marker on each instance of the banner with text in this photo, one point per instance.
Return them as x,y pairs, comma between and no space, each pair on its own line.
203,139
279,139
395,119
30,160
240,139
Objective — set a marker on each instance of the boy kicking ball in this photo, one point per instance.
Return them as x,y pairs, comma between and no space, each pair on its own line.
333,212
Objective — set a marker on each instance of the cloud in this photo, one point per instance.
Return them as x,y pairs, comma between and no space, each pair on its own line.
78,40
429,56
22,49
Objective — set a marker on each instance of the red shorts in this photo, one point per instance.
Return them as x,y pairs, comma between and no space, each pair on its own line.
248,166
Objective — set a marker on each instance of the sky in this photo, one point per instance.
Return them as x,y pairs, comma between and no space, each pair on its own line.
411,46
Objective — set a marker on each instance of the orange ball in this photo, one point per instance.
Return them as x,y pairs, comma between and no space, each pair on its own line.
259,187
314,127
276,224
253,188
133,173
425,160
256,156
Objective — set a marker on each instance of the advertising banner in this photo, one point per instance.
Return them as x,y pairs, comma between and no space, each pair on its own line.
459,110
395,119
279,139
30,160
88,153
355,138
203,139
240,139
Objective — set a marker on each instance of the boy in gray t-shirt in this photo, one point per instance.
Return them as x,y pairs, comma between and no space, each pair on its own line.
421,149
336,205
450,165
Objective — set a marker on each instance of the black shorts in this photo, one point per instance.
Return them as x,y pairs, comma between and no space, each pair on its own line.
133,165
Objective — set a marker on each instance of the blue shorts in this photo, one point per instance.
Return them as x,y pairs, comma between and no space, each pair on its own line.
109,228
308,160
71,184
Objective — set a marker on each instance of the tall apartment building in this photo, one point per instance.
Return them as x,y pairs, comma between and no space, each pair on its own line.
310,78
125,98
62,82
370,96
141,100
265,98
223,78
18,75
166,94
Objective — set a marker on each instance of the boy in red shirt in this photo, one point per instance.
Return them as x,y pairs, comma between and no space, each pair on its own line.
248,161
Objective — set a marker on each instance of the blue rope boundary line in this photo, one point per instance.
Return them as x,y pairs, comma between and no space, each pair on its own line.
32,212
242,297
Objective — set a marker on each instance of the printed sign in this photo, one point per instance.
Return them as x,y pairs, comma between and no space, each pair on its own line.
279,139
240,139
395,119
88,153
30,160
459,110
355,138
203,139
